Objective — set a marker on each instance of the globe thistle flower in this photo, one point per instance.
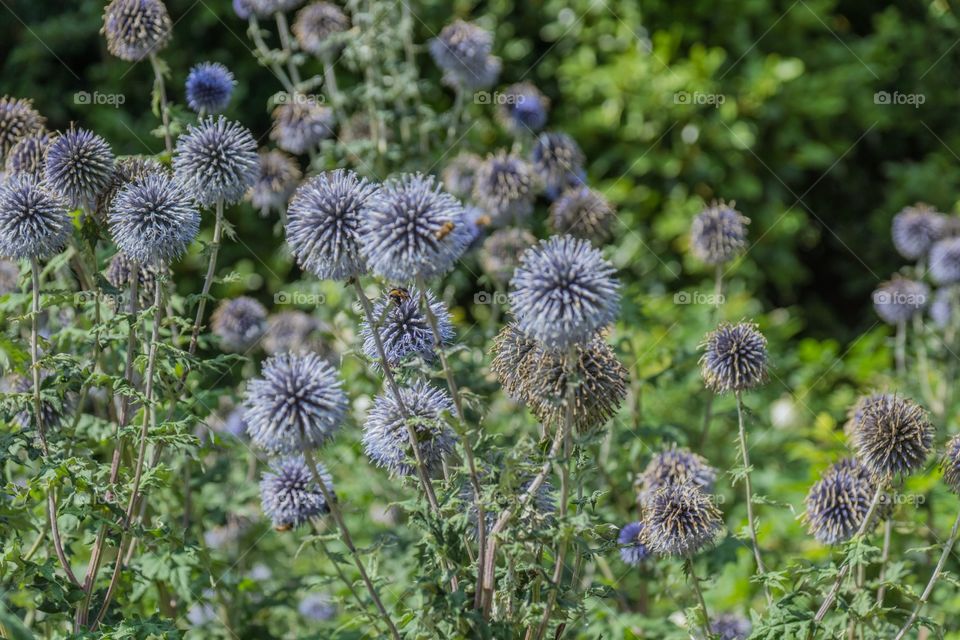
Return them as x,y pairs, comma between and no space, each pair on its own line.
941,309
29,155
148,279
730,626
324,223
314,25
676,466
290,495
945,261
413,229
295,395
79,166
855,412
403,327
463,52
899,299
915,229
386,439
633,550
583,213
523,108
734,358
209,87
534,517
500,253
563,292
9,276
718,234
153,219
301,125
951,464
266,8
33,219
243,8
277,178
558,161
289,332
136,29
504,187
460,173
51,413
216,160
125,170
838,502
239,323
514,356
476,221
18,119
318,607
893,436
680,520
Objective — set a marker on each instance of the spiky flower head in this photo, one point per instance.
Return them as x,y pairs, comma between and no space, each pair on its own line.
463,52
386,439
403,327
584,213
33,219
209,87
460,173
301,124
731,626
899,299
136,29
676,465
501,251
413,229
296,402
9,276
216,159
503,186
855,412
153,219
564,292
734,358
950,464
893,436
277,178
324,223
290,495
148,278
125,170
681,520
839,501
289,332
79,166
941,308
633,549
318,607
718,234
945,261
523,108
29,155
314,25
915,229
239,323
18,119
558,161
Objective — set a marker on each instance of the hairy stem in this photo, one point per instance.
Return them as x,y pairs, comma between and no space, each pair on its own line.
745,457
164,109
884,557
266,56
695,582
209,277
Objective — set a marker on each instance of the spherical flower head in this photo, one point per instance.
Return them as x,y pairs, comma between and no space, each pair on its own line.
558,161
289,332
893,435
325,223
915,229
216,159
504,187
125,171
899,299
314,25
463,52
945,261
501,251
243,8
633,549
941,309
34,222
386,439
731,626
18,119
29,155
79,166
734,358
673,466
404,329
950,464
459,174
681,520
290,495
239,323
563,293
718,234
296,402
209,87
413,229
318,607
584,213
838,502
148,279
277,178
9,276
523,108
136,29
301,124
153,219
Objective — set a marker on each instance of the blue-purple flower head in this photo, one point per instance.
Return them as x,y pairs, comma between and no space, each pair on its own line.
942,307
290,332
18,119
277,179
79,166
734,358
301,124
501,251
563,293
718,234
731,626
29,155
681,520
558,162
413,229
209,87
386,438
325,223
296,403
504,186
893,435
290,495
316,23
243,8
584,213
523,108
318,607
915,229
676,465
216,160
837,503
34,222
136,29
463,52
899,299
125,170
945,261
266,8
239,323
633,549
403,327
153,219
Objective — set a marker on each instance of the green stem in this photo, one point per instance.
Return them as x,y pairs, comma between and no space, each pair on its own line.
695,581
164,109
745,456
